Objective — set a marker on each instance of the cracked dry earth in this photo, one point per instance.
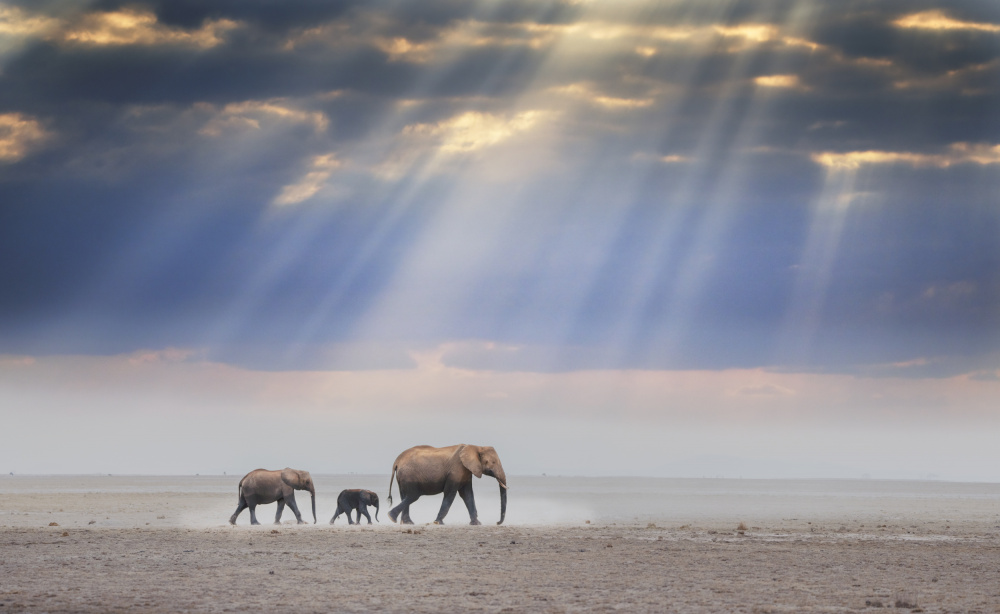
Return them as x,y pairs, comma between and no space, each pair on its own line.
580,568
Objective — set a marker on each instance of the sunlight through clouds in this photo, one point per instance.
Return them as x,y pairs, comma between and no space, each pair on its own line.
814,269
632,213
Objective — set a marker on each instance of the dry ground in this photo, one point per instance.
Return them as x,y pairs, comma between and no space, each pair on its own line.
580,568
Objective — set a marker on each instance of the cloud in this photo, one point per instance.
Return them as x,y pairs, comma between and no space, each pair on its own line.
434,387
19,136
586,92
780,81
985,376
248,114
424,44
402,49
134,26
13,362
661,158
938,20
764,390
167,355
313,181
958,153
674,159
755,32
16,22
473,130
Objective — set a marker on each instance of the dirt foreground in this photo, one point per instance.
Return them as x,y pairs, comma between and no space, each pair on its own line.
161,544
588,568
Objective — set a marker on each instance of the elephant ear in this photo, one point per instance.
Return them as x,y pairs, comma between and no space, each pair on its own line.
470,458
291,477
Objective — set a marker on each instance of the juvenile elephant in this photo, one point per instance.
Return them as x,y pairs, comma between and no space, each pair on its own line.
358,500
260,487
425,470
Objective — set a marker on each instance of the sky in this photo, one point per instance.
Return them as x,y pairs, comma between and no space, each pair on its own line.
683,238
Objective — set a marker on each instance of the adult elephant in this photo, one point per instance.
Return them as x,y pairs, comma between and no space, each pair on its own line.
260,487
426,470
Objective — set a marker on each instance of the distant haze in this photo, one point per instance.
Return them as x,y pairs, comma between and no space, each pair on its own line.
687,238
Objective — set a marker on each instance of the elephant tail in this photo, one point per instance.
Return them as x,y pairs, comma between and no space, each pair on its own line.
391,478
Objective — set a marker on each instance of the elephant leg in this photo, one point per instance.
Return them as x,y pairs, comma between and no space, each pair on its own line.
239,508
364,510
253,513
404,507
449,497
290,500
337,513
348,512
470,503
406,510
394,512
281,508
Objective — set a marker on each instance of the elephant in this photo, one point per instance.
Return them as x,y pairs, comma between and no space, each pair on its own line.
426,470
261,486
356,499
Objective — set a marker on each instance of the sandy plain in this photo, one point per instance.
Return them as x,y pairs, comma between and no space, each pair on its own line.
115,544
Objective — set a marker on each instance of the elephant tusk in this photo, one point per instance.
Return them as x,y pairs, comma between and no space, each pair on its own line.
502,485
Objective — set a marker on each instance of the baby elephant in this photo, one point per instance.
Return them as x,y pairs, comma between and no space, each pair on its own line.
356,499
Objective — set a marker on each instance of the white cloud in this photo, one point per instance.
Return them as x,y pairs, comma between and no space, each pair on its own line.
135,26
674,159
472,130
938,20
19,135
755,32
321,168
168,355
780,82
586,92
957,153
449,41
250,113
17,22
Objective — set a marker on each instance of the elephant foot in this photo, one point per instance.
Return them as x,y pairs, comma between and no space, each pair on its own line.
255,523
438,522
232,521
392,516
300,521
475,521
277,522
407,521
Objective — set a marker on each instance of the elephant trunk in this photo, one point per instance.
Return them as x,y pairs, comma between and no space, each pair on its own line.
312,494
503,504
502,480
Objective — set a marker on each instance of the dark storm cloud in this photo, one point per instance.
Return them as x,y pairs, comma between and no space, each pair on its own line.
216,174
